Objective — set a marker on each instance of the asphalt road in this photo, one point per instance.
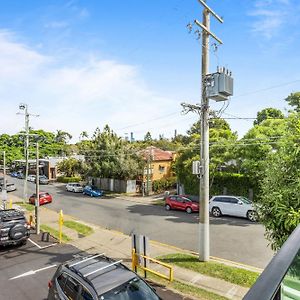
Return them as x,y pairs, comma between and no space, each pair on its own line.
235,239
26,270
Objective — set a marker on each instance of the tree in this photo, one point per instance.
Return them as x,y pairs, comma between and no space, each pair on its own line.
280,198
148,137
111,157
221,152
294,100
268,113
257,143
62,136
71,167
83,135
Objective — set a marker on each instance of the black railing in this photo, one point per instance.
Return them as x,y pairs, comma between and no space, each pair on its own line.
281,278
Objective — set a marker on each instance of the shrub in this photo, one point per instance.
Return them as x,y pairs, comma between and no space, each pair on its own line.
66,179
164,184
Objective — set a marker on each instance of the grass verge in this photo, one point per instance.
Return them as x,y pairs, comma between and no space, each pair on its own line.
55,233
160,202
183,288
234,275
79,227
27,206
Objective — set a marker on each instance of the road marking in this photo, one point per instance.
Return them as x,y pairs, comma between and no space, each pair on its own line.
34,243
32,272
37,245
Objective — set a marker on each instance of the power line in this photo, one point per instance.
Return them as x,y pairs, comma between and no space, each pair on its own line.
267,89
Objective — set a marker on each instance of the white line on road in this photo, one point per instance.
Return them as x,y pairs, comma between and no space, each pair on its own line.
34,243
32,272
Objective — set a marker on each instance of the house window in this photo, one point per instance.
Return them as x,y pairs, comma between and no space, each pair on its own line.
161,169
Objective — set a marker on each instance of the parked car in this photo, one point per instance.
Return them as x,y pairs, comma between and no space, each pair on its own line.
233,206
14,228
31,178
181,203
10,187
44,198
98,277
20,175
74,187
92,191
43,179
13,174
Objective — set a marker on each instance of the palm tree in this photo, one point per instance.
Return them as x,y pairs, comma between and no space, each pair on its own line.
62,136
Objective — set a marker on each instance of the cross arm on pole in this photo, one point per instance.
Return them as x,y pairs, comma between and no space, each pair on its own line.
211,11
207,31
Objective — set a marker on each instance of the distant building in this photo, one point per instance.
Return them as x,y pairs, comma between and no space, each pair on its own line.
158,163
48,166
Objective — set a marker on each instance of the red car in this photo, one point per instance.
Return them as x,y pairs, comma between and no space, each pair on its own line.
181,203
44,198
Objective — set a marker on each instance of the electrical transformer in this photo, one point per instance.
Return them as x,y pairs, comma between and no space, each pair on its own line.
219,86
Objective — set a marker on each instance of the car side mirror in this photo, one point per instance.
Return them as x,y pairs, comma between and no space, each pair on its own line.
240,202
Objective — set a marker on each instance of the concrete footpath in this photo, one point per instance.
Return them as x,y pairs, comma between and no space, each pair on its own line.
118,245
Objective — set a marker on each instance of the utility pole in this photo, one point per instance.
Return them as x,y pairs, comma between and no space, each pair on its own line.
4,190
37,192
203,111
204,148
24,106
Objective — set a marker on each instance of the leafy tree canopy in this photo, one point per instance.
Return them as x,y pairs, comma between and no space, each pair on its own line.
280,197
268,113
294,101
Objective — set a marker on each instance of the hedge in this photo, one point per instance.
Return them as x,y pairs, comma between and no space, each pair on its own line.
163,184
66,179
236,184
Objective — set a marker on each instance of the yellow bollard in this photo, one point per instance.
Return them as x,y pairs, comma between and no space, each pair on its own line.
10,204
60,224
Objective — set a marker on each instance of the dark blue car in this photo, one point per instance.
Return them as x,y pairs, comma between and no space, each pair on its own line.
92,191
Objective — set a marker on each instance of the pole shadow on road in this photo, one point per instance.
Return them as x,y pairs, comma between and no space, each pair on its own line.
183,217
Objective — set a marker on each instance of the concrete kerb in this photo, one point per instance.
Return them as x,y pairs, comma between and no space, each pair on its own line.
118,245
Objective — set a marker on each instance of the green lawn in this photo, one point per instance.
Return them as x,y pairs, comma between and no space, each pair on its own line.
27,206
79,227
184,288
55,233
231,274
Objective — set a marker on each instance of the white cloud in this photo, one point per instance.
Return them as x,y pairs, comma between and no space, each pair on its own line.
75,97
271,16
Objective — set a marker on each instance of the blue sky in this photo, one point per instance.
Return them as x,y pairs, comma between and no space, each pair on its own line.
82,64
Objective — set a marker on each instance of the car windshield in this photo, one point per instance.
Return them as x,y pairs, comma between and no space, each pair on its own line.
135,289
245,200
94,188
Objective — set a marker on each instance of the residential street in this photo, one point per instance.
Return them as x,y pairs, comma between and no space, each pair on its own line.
234,239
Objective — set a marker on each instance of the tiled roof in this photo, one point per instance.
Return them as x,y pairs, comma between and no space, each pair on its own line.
157,154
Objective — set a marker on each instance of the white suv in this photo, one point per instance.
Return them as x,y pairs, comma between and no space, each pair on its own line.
234,206
74,187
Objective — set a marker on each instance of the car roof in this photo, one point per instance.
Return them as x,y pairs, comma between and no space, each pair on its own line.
102,272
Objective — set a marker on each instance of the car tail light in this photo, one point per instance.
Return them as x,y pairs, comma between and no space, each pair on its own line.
50,284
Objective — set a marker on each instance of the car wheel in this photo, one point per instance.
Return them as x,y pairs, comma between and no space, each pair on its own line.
188,210
168,207
216,212
252,216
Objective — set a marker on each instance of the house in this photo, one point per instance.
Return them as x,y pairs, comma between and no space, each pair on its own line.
158,163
